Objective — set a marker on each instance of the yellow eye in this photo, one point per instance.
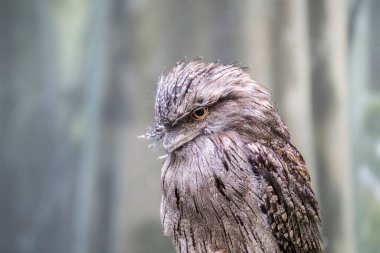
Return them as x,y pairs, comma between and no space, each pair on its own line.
200,113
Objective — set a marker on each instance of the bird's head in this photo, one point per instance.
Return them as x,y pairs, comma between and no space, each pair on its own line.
198,98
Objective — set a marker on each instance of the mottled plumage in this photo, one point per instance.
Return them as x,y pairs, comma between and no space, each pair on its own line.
232,181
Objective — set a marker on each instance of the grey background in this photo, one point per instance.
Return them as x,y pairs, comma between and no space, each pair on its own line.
77,82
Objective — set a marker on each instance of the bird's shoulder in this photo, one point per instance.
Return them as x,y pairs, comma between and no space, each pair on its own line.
289,201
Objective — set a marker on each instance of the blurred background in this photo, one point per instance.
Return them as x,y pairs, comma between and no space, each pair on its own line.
77,82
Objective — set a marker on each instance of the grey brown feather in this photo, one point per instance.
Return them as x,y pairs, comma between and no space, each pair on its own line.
232,181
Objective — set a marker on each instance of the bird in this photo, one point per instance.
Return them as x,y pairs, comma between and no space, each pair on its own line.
231,181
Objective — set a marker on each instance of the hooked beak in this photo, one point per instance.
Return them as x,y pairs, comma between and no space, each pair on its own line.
173,140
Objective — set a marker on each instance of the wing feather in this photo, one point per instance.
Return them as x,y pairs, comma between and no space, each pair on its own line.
290,203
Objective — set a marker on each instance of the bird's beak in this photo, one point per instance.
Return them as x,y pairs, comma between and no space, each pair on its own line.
174,139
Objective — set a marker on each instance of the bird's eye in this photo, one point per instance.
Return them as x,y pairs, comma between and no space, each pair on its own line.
200,113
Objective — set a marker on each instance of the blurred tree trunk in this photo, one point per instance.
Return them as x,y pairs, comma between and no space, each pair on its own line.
328,35
59,130
365,121
88,233
256,40
37,148
137,214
